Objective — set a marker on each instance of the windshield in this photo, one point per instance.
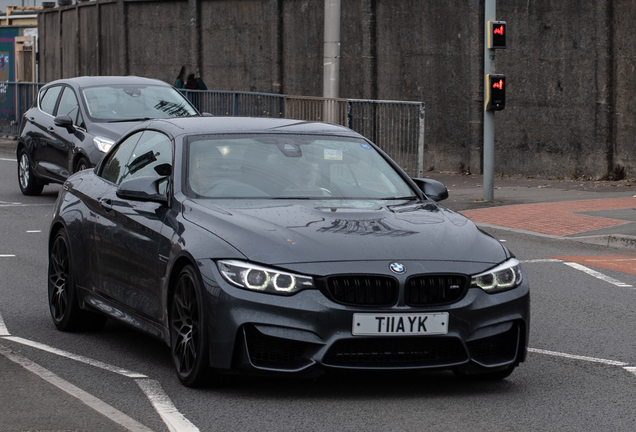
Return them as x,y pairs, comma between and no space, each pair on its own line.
134,102
289,167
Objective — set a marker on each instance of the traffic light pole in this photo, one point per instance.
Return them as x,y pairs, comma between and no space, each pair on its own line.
489,116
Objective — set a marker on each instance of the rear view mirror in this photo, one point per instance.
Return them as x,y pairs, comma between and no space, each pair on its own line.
432,188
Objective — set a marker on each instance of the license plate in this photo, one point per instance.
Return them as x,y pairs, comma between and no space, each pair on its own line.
400,324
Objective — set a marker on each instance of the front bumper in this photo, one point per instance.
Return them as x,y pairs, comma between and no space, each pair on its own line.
309,333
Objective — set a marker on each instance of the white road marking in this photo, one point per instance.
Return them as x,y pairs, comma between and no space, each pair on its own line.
76,357
578,357
597,275
34,231
5,159
23,205
160,401
630,369
541,260
582,268
90,400
3,328
7,256
175,421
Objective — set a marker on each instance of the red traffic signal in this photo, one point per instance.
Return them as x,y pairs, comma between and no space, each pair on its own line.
496,34
495,92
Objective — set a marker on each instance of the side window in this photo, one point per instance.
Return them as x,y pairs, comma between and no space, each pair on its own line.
69,105
48,99
151,157
115,163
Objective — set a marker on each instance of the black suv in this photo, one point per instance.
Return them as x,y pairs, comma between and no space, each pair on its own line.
75,121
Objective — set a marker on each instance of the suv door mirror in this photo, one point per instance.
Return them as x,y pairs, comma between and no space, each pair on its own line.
432,188
143,189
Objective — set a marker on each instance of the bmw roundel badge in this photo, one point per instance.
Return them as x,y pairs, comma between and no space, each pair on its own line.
397,268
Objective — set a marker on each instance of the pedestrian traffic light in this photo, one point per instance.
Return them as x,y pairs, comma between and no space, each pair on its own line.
495,92
496,34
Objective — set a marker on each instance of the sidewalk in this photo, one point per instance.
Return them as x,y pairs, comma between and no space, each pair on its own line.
591,211
599,212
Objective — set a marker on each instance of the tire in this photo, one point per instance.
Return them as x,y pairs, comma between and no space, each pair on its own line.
485,376
188,332
28,183
82,164
63,303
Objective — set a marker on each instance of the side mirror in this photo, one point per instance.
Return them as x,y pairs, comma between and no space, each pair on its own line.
143,189
64,121
432,188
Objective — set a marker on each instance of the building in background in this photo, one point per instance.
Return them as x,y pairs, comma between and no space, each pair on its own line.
18,63
18,44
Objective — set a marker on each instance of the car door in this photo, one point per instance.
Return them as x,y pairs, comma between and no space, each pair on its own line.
42,121
62,146
130,235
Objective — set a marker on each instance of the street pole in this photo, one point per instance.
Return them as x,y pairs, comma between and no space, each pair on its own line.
489,116
331,77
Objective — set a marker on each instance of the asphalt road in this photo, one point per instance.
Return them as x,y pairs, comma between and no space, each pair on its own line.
578,376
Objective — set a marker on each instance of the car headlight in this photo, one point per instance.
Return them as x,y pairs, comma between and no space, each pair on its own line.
266,280
501,278
103,144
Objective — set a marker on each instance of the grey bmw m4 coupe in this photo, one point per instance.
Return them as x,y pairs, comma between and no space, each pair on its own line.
275,246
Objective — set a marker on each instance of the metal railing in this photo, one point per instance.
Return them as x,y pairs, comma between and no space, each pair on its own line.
15,99
396,127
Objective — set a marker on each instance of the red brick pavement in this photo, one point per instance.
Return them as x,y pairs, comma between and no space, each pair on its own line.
552,218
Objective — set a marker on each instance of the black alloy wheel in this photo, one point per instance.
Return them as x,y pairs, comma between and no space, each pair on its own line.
188,336
82,164
63,303
28,183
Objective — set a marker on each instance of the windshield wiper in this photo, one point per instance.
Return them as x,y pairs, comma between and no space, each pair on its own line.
130,120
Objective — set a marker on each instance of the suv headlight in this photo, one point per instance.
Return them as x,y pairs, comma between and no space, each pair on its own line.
266,280
501,278
103,144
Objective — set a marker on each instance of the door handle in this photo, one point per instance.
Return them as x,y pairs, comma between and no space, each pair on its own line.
106,204
51,128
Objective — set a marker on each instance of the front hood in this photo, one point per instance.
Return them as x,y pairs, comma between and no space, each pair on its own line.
111,130
289,232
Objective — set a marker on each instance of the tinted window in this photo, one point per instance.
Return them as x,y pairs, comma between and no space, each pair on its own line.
115,162
290,167
48,99
152,156
69,106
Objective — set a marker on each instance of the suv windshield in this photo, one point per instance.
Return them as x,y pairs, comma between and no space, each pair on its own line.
289,167
134,102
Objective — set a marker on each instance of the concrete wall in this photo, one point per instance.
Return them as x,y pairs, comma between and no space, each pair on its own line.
570,66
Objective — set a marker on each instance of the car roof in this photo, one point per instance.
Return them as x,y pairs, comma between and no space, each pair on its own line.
177,126
88,81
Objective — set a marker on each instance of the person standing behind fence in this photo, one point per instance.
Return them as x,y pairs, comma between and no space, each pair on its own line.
192,82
